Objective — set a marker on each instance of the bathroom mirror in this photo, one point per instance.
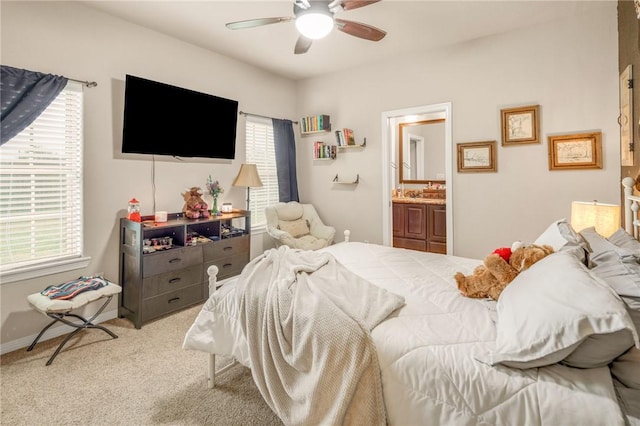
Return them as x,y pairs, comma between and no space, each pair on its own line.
421,151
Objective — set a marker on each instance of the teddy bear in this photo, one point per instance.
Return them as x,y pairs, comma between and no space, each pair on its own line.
194,206
499,269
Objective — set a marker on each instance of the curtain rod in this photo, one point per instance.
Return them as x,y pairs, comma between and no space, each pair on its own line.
261,116
84,83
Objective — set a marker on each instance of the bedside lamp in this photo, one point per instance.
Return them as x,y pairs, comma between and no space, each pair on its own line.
248,176
604,217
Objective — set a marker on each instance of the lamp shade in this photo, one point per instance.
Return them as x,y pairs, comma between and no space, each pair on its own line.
604,217
248,176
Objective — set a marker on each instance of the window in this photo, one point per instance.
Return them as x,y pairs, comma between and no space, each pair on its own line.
261,152
41,193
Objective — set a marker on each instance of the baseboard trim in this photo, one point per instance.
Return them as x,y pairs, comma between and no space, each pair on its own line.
53,332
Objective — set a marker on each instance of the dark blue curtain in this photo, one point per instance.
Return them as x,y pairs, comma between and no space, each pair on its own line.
23,96
285,146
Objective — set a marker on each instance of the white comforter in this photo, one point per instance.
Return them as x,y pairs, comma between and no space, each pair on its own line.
426,350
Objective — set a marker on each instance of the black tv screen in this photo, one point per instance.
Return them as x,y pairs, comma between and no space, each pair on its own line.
162,119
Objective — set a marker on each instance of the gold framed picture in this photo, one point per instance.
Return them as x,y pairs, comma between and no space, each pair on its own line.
477,157
520,125
575,151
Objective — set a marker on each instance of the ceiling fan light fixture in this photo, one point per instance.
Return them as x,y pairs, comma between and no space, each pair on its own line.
314,25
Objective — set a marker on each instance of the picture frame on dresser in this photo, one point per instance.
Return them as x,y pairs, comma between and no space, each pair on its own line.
477,157
575,151
520,125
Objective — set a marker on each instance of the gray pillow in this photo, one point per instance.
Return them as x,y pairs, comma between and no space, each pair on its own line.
623,240
626,368
615,265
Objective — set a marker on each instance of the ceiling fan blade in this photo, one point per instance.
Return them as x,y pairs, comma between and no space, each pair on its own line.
303,4
249,23
354,4
358,29
302,45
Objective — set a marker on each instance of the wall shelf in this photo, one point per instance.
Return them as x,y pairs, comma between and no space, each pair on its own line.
362,145
344,182
315,124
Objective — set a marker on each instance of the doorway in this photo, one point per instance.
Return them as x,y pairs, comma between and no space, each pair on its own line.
391,163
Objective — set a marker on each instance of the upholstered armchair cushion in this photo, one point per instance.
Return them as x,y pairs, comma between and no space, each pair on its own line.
298,226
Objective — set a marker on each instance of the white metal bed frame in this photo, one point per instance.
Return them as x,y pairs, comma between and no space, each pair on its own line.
631,225
631,208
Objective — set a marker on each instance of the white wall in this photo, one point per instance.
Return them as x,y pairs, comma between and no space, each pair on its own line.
568,67
78,42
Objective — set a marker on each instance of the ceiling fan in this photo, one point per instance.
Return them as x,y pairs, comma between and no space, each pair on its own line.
315,19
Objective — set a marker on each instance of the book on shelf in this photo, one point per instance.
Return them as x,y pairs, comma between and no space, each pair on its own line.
339,138
315,123
322,150
348,137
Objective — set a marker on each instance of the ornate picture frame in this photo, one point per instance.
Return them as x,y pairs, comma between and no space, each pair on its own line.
477,157
520,125
575,151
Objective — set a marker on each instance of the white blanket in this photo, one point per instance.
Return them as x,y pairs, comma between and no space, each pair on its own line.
307,323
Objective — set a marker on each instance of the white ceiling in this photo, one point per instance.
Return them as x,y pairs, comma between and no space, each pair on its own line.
411,26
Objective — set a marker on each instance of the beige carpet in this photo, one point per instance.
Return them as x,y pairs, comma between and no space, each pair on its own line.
142,378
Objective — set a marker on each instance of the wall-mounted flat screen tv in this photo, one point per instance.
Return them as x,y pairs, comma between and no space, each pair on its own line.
161,119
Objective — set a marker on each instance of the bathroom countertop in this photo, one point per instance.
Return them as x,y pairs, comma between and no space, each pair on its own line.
410,200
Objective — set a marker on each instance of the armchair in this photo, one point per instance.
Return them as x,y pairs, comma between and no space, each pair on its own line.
298,226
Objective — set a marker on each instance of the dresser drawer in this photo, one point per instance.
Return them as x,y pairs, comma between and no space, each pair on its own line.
172,301
226,247
228,266
172,280
170,260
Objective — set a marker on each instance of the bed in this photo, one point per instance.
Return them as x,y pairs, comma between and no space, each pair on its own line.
437,357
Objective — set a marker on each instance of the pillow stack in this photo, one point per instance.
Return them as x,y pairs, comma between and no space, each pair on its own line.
560,310
616,260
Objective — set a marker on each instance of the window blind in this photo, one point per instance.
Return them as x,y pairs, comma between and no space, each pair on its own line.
41,187
260,150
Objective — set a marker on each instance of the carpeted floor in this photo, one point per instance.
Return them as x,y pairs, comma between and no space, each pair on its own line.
142,378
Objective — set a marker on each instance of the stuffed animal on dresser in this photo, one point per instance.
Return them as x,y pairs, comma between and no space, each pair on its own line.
194,206
499,269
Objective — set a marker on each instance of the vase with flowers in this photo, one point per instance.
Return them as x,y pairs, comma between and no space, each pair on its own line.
214,189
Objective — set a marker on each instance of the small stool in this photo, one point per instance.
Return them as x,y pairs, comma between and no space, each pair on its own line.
59,310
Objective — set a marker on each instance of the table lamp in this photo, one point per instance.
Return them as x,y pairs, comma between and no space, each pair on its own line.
604,217
248,176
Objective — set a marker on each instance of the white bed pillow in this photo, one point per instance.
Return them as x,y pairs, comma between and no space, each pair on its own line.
562,237
556,310
623,239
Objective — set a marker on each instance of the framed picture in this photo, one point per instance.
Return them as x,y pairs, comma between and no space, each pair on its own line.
577,151
477,157
520,125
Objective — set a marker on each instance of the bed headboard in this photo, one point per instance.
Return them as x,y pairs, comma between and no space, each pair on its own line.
631,207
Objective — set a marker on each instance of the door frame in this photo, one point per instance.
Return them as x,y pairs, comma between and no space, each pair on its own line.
389,166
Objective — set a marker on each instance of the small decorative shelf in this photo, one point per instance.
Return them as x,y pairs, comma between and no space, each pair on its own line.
355,182
315,124
323,151
362,145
